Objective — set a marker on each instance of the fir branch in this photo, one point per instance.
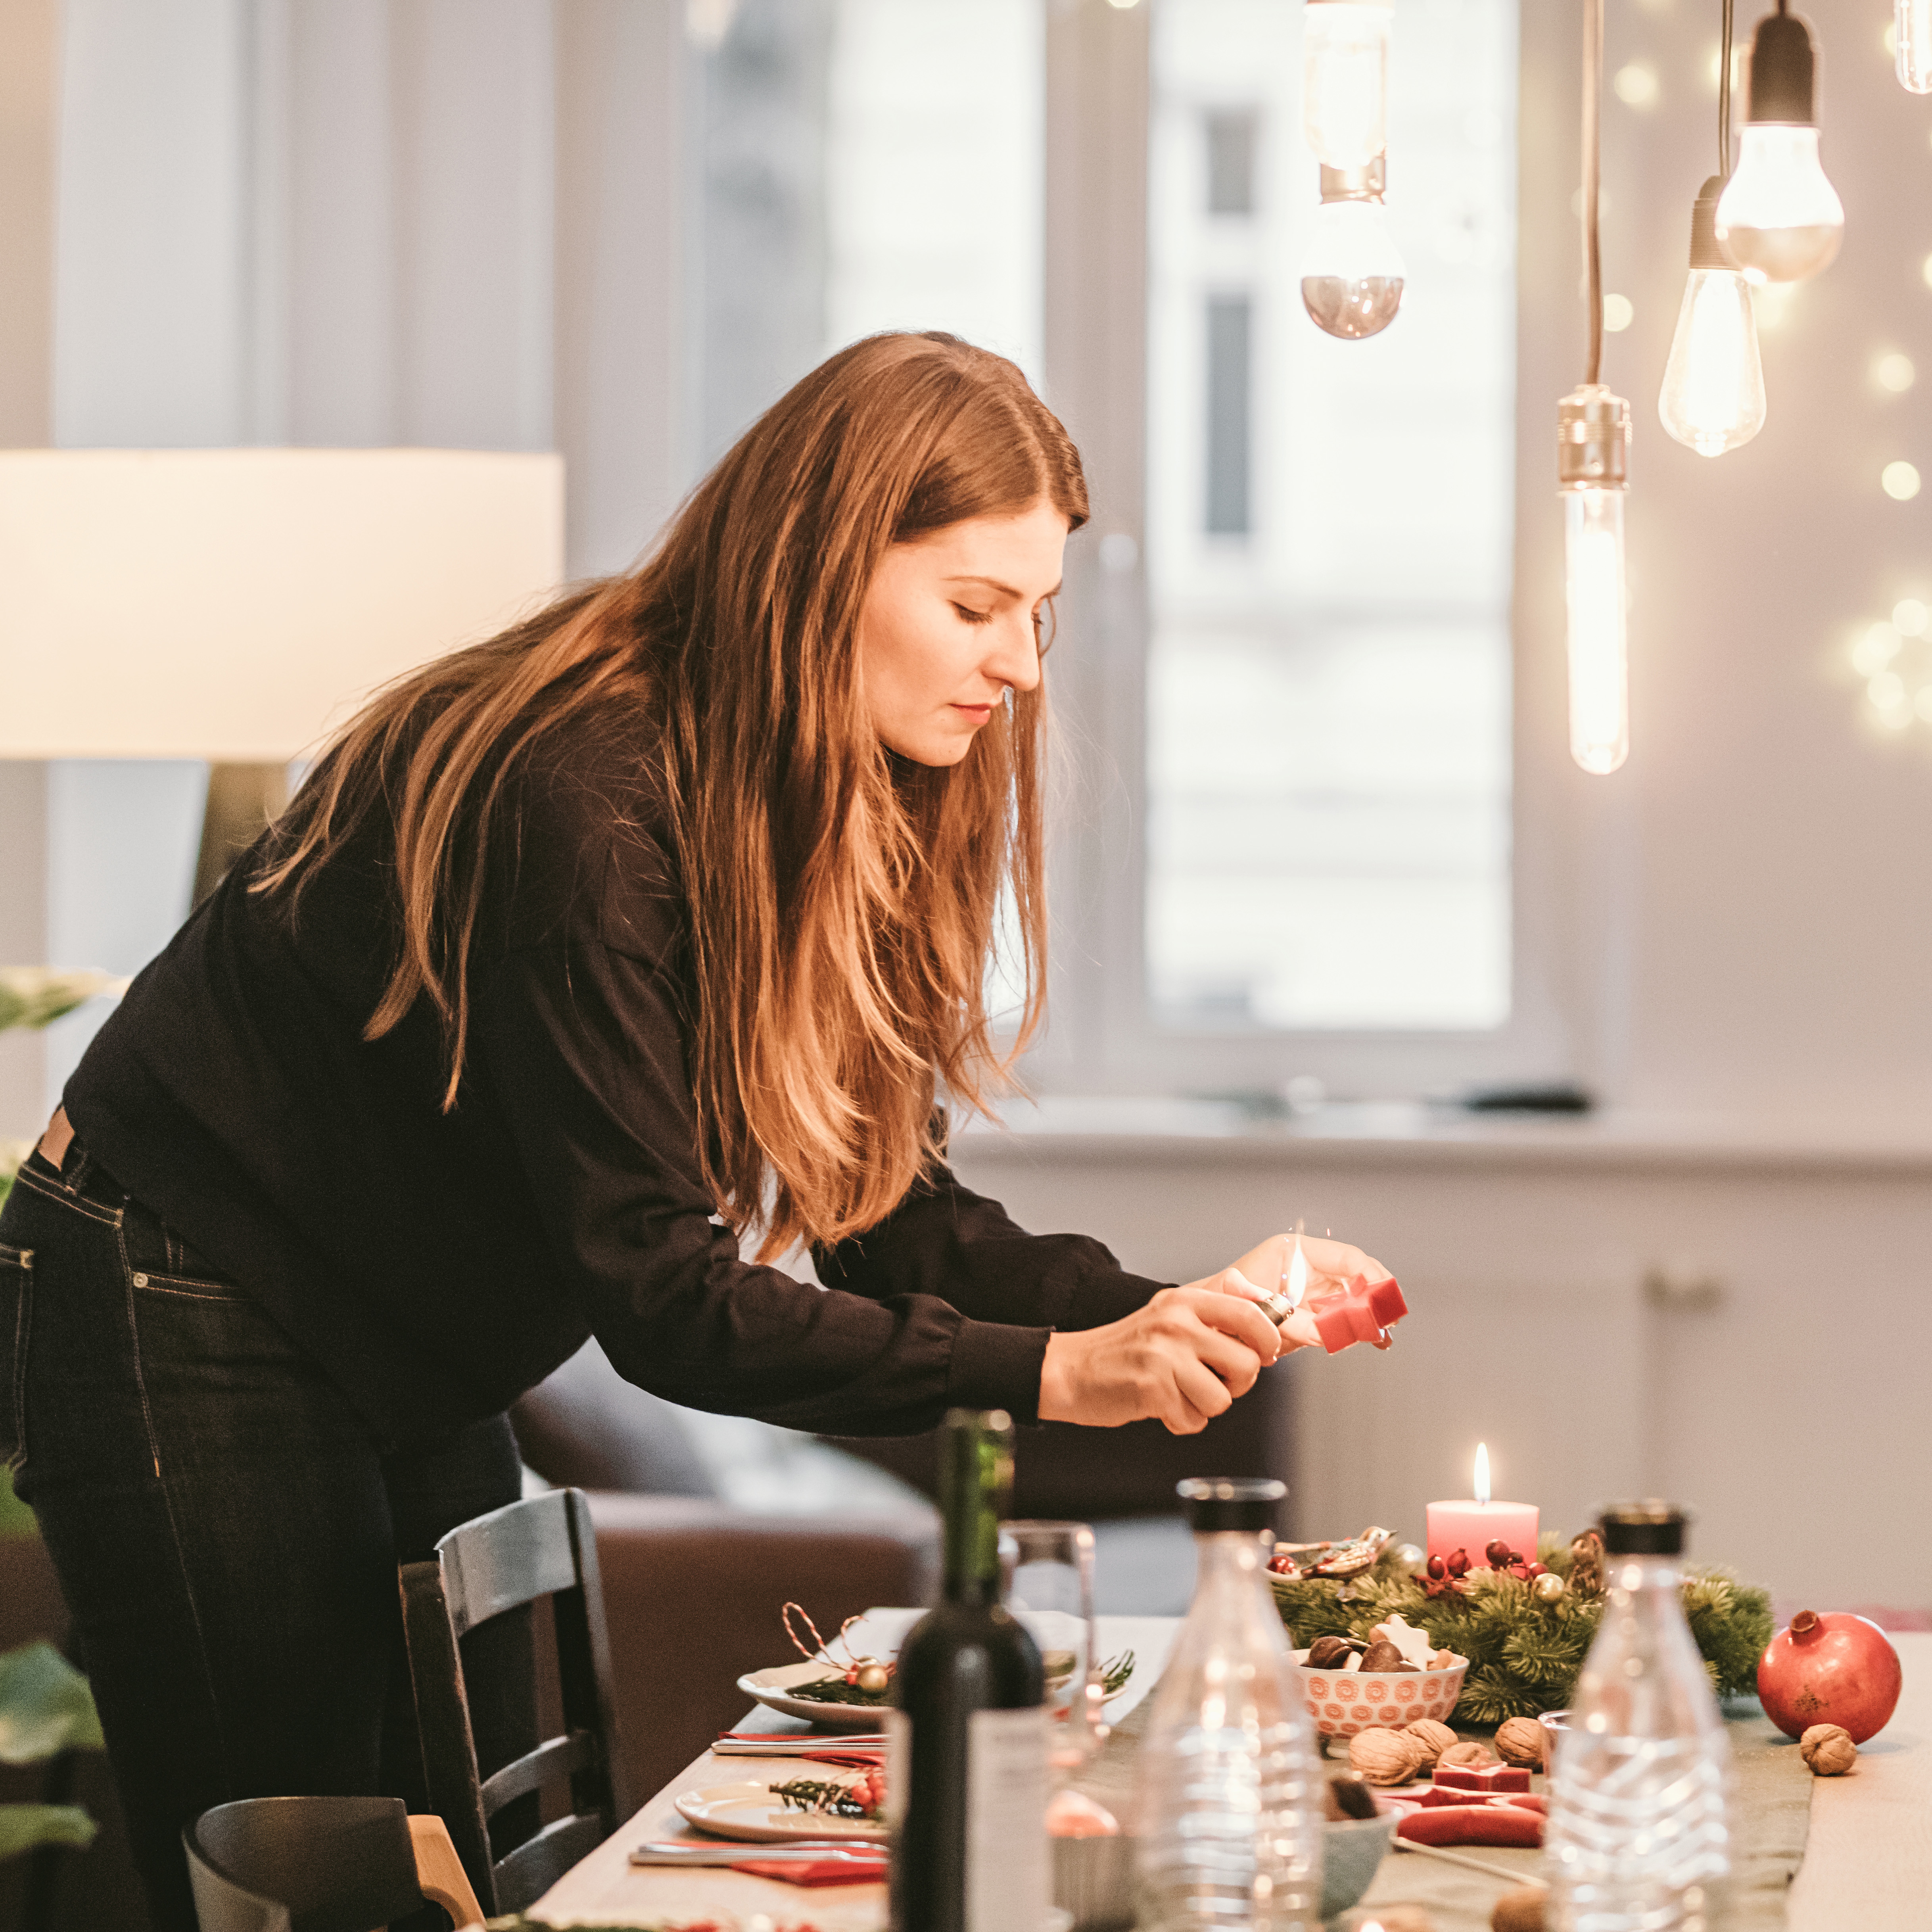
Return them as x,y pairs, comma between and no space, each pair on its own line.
1525,1656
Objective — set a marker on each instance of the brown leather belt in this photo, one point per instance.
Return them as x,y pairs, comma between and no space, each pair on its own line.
57,1138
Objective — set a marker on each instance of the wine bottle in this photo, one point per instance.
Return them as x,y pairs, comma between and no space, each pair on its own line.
966,1778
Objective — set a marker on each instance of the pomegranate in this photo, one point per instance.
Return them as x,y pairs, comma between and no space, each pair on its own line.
1836,1669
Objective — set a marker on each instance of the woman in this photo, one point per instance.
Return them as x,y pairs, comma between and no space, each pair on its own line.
659,919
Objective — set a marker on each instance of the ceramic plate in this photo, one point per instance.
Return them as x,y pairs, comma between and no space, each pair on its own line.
750,1812
772,1689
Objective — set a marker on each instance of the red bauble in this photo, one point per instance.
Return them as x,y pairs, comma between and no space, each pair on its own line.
1836,1669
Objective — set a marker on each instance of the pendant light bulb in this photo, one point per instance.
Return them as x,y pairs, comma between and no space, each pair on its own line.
1345,79
1592,465
1713,394
1779,218
1911,27
1351,276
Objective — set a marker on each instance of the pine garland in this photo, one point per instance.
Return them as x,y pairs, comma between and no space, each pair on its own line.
1524,1656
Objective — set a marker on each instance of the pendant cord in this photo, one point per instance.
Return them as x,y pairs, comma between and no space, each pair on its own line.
1724,99
1593,258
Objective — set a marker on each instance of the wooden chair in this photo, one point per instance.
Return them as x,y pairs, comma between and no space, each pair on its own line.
321,1864
497,1565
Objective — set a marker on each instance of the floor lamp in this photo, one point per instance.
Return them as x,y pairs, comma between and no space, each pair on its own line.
235,605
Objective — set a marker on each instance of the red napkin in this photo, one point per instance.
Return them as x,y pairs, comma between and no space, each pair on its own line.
819,1871
871,1760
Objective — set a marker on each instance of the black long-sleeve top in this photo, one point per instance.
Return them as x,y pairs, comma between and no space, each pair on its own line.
438,1264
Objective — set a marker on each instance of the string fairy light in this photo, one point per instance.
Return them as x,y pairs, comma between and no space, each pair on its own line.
1593,430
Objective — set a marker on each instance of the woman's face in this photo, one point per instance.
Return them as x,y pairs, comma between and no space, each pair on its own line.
950,624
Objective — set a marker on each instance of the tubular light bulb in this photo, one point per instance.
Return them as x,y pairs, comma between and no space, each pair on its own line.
1713,394
1351,276
1593,442
1780,219
1345,80
1593,571
1912,21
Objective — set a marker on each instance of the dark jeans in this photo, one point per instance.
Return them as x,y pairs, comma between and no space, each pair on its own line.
226,1528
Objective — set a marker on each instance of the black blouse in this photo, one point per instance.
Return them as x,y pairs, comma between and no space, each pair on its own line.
438,1264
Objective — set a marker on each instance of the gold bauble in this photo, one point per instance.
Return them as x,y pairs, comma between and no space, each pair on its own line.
1548,1587
872,1678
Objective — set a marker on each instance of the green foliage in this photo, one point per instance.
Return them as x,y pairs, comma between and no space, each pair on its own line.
36,996
1524,1655
46,1708
24,1826
16,1519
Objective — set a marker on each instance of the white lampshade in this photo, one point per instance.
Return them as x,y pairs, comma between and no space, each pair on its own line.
235,605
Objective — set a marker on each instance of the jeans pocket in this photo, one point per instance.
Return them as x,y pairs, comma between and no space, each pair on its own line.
16,1309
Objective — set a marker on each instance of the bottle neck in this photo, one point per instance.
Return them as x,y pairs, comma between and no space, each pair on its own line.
975,1477
1230,1553
1629,1578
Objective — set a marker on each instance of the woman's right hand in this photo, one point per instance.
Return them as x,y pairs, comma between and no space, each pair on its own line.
1182,1360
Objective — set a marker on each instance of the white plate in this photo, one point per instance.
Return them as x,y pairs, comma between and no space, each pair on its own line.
750,1812
880,1632
770,1688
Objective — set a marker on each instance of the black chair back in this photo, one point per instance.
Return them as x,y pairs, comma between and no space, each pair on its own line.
496,1566
302,1864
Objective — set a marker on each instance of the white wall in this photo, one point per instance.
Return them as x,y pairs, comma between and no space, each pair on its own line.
1750,904
1780,1397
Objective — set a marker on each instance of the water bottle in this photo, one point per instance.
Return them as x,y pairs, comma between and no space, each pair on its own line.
1639,1839
1229,1805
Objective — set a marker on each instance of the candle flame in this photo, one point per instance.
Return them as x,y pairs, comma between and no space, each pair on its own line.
1294,1276
1482,1472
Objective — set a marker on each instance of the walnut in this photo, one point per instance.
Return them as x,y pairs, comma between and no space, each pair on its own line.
1520,1910
1434,1737
1385,1756
1520,1742
1473,1755
1828,1750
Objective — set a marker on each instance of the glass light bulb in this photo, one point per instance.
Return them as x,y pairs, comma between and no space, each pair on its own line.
1351,276
1713,394
1345,80
1912,22
1593,574
1779,216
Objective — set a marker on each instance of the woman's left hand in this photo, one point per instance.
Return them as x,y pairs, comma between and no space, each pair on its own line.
1262,1271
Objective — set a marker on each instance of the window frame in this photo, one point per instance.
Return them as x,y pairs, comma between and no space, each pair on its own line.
1571,859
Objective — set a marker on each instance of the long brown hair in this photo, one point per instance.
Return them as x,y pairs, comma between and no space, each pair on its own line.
840,903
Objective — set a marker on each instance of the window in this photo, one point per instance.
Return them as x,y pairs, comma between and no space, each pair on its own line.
1328,545
867,164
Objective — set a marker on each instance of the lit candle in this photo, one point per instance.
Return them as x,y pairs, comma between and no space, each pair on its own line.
1472,1526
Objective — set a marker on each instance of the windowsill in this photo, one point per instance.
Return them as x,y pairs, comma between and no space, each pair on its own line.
1409,1133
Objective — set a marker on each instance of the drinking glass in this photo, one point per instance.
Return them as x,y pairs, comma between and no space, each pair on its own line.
1049,1586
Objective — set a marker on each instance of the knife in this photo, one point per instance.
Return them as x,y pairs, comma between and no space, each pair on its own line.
864,1852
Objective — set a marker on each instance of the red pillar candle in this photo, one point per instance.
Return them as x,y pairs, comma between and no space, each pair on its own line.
1365,1313
1473,1526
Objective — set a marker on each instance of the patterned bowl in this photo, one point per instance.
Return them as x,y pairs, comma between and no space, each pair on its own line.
1345,1702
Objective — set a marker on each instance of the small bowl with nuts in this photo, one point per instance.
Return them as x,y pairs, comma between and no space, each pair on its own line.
1353,1685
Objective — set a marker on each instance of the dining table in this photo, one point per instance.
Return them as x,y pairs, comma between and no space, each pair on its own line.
1847,1854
